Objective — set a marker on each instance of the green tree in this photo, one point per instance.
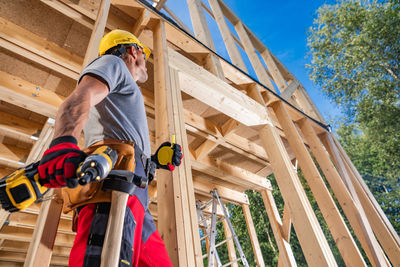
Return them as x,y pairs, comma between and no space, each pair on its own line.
355,59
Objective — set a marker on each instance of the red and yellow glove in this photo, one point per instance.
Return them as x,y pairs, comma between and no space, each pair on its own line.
168,156
58,165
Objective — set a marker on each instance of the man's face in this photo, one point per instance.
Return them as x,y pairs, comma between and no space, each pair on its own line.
140,64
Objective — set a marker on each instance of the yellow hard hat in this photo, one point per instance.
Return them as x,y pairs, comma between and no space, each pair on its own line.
116,37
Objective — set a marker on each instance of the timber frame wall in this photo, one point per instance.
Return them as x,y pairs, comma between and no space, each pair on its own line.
233,130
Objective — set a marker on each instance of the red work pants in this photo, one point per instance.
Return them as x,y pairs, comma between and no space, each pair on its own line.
147,249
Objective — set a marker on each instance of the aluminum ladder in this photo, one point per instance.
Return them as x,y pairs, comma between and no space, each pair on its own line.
211,231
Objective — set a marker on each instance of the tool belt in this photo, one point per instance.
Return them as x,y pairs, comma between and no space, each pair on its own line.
94,192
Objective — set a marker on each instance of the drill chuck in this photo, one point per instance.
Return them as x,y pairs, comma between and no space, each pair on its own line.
97,166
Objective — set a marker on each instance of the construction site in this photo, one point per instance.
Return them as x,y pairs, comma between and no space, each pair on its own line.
234,129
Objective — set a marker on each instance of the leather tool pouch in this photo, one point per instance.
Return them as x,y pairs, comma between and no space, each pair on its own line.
92,192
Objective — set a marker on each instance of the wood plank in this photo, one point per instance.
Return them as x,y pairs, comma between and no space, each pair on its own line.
43,142
273,69
205,148
18,128
342,236
38,49
45,235
12,156
185,176
230,244
227,36
258,67
380,224
226,194
98,32
25,235
290,89
207,88
168,216
19,92
202,33
20,257
314,245
141,22
285,251
372,248
231,173
253,236
337,185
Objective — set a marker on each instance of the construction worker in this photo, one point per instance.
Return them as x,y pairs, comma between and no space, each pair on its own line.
108,105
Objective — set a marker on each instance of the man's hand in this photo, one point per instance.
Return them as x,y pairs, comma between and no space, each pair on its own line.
58,165
167,157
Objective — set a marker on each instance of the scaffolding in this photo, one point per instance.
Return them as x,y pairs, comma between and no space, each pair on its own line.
234,129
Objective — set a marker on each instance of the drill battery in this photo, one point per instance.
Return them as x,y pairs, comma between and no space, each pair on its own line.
21,188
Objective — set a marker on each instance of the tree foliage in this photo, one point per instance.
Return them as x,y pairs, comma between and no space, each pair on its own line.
355,59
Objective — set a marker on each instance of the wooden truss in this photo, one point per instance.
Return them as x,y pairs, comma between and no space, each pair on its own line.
234,131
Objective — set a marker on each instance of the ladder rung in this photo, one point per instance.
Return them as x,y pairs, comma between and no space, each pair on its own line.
229,263
205,205
203,237
205,219
223,242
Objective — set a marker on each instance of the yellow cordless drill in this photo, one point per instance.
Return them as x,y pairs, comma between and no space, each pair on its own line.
22,188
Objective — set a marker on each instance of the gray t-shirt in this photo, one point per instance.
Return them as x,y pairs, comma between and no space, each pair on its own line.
121,115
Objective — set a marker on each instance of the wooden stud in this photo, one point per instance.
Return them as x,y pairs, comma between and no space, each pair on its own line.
310,235
141,22
20,93
380,224
168,218
230,244
160,4
289,90
98,32
344,241
205,148
259,68
44,235
253,236
198,83
273,69
42,143
227,36
285,252
348,201
177,20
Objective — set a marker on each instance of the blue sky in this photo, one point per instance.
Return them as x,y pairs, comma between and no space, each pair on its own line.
282,26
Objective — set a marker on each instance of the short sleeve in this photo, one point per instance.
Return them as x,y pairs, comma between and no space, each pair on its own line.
110,68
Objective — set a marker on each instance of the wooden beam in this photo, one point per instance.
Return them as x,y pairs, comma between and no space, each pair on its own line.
18,128
285,251
160,4
259,68
207,88
185,173
44,235
25,235
231,173
141,22
230,244
43,142
226,194
169,210
273,69
253,236
289,90
342,194
177,20
20,257
12,156
205,148
308,230
18,92
202,33
98,32
380,224
227,36
342,236
34,47
372,248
